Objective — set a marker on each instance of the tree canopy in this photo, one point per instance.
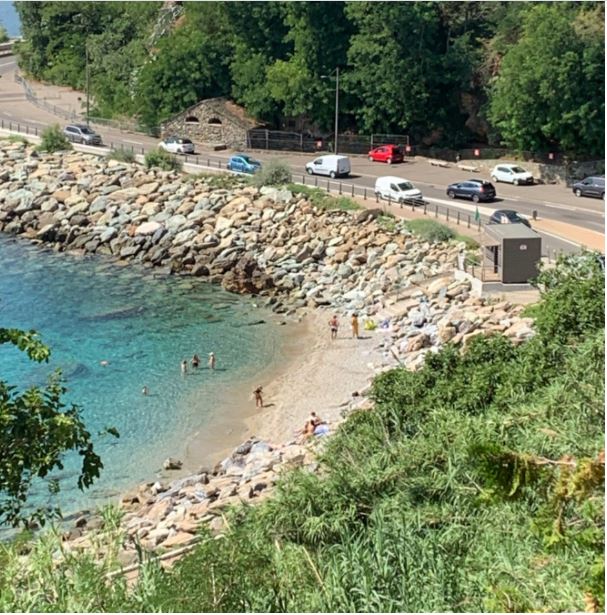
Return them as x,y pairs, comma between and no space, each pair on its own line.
36,430
527,75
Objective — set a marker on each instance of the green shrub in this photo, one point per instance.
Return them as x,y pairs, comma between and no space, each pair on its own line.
122,155
471,243
324,200
17,139
273,173
162,160
430,230
53,140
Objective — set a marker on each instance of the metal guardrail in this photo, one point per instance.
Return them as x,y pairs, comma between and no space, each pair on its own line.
42,104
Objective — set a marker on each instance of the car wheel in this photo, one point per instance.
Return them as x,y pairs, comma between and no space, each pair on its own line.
495,179
603,195
332,174
308,170
515,182
378,195
451,194
389,161
475,198
577,192
370,158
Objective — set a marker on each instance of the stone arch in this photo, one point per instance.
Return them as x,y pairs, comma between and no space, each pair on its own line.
215,121
191,119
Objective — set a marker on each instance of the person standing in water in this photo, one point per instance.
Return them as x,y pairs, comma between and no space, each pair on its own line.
355,325
144,391
258,392
184,367
195,361
333,326
211,360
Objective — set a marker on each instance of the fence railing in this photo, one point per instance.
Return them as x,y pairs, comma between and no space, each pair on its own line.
70,116
261,138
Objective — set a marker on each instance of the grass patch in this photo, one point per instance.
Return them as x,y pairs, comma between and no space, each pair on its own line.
16,139
122,155
273,173
387,222
471,244
163,160
324,200
430,230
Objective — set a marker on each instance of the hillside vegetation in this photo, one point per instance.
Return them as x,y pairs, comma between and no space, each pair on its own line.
528,74
476,484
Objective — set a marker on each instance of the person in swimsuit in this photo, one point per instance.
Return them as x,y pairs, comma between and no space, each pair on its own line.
355,325
334,325
195,361
258,397
184,367
211,360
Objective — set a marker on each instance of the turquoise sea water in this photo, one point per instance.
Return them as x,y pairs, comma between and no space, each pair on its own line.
89,310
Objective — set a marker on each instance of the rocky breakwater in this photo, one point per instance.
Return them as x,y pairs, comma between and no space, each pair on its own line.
260,241
164,516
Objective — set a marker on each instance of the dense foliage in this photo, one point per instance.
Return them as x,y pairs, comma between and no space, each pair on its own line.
529,74
476,484
53,140
36,430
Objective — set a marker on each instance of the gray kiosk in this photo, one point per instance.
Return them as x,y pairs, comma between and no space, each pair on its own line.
514,251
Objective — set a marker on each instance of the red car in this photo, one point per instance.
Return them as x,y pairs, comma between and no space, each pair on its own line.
387,153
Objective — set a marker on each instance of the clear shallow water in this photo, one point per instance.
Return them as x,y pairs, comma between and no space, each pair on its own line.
89,310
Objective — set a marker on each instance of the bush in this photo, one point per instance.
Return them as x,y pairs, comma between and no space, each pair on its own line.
122,155
163,160
323,200
17,139
53,140
430,230
274,173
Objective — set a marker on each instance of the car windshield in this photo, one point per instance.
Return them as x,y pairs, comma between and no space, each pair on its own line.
518,170
405,186
185,141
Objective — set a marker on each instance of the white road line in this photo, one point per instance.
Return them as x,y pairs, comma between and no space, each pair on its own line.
133,142
8,113
27,121
484,211
8,63
573,243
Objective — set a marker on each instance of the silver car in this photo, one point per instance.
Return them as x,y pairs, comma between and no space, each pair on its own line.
81,133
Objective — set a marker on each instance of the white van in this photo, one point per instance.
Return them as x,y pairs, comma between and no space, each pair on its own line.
396,189
331,165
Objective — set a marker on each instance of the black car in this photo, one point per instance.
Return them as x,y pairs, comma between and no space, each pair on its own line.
475,189
507,216
591,186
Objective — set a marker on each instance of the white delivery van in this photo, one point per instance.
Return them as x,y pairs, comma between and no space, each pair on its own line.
396,189
331,165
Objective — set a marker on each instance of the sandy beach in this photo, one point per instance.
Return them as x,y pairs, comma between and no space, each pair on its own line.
314,374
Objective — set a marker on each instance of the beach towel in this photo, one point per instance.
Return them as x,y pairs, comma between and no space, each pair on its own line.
321,430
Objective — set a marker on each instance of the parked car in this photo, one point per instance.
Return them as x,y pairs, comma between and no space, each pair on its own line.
591,186
177,145
475,189
243,164
507,216
511,174
81,133
387,154
396,189
331,165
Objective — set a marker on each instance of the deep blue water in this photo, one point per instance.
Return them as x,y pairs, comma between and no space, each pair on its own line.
9,18
89,310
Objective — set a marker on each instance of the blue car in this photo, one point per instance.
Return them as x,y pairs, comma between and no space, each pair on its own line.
243,164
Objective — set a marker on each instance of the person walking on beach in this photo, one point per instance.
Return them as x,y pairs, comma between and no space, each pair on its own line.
333,326
195,361
258,392
355,325
184,367
211,360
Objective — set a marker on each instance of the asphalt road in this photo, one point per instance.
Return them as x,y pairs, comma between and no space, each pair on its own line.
551,202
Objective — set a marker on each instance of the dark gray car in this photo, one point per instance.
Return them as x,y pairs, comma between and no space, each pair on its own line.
81,133
591,186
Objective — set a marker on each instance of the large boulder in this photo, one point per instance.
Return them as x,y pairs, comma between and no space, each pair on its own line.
247,277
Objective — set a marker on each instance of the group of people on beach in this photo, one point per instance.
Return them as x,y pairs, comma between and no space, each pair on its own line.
314,426
334,326
195,361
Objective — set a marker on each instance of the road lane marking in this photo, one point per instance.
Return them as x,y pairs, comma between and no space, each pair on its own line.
8,63
134,142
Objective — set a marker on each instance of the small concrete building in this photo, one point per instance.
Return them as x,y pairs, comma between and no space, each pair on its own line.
213,121
513,251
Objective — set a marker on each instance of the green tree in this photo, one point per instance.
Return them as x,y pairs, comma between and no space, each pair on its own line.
36,430
550,91
3,34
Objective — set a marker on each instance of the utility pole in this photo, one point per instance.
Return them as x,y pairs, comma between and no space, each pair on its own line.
88,97
336,106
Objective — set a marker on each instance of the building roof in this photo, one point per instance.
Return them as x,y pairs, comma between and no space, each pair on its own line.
222,107
510,231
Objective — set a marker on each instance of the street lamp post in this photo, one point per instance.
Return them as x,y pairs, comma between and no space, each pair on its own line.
336,106
88,97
